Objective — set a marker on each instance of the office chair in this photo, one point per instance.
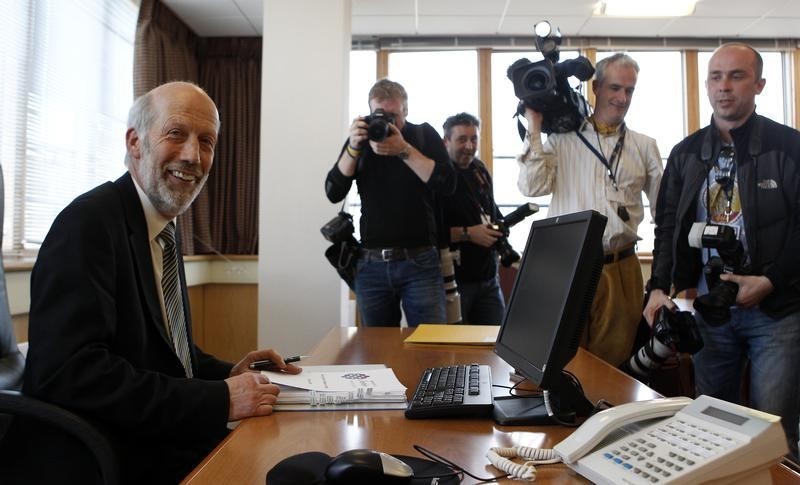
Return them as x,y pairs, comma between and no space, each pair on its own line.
15,404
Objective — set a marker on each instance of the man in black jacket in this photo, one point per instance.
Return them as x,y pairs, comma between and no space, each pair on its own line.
468,214
398,168
741,172
110,328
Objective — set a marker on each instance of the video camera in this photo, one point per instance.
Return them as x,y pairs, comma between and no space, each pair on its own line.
672,332
543,87
507,254
378,124
715,306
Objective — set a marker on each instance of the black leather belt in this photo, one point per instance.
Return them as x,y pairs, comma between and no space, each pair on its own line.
393,254
619,255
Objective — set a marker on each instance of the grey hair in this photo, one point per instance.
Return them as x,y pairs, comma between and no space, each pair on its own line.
620,58
141,117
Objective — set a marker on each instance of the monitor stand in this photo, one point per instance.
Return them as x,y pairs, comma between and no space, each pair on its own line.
566,398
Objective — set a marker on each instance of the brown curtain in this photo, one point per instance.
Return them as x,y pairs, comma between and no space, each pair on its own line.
224,218
231,72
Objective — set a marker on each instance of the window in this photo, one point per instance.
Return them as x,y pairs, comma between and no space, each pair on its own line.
65,88
439,84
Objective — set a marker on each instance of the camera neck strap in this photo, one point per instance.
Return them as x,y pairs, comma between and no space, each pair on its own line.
608,163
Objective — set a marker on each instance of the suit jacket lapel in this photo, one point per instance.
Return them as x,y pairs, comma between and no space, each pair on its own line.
140,248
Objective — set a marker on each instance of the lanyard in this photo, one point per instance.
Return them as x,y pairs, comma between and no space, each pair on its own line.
608,163
725,177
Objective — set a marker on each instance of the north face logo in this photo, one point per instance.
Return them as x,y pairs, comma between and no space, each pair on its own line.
767,184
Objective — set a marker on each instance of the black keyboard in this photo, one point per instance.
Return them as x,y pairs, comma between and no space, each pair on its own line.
459,390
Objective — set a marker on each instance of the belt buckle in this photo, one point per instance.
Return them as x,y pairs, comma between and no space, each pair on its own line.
386,254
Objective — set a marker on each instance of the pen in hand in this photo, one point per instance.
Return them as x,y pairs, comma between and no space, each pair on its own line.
269,365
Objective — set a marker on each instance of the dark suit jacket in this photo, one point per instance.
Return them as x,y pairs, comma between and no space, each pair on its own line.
98,344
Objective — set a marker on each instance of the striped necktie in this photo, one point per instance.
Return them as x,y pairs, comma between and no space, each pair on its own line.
172,298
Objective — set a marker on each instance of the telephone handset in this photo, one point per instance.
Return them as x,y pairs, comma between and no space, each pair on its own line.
597,427
704,440
695,441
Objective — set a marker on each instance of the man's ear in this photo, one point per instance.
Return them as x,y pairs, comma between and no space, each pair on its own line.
133,143
594,86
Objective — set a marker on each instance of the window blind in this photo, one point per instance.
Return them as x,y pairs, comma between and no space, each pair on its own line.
65,87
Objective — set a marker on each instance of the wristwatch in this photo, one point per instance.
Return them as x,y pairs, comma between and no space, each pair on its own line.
405,153
464,234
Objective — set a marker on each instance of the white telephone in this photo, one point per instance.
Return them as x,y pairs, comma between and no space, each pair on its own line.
705,440
674,440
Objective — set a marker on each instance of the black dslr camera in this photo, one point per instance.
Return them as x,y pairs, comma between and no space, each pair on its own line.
378,124
543,87
507,254
715,306
672,332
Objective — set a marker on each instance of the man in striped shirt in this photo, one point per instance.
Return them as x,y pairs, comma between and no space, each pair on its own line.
604,166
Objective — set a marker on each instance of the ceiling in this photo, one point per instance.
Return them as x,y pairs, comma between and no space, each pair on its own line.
724,19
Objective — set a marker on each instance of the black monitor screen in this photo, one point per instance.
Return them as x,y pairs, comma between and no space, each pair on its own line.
552,295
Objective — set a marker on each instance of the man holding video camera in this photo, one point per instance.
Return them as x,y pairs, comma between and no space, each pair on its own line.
468,214
398,168
731,194
605,166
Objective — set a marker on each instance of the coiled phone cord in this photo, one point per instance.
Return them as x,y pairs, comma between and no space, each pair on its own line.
500,458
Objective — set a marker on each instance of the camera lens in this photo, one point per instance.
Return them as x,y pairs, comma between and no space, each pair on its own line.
378,129
538,81
715,306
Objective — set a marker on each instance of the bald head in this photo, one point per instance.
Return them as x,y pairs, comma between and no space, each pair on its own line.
734,80
171,138
742,49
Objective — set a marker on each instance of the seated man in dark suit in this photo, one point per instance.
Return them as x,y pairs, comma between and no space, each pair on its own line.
110,329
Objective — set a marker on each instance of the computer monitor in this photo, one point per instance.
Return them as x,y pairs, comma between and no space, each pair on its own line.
547,312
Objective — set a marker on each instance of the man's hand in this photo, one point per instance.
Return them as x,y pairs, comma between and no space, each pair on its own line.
534,120
656,300
483,235
251,394
244,364
358,133
394,145
752,289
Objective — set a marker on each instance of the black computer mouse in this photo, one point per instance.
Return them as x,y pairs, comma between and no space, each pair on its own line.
367,467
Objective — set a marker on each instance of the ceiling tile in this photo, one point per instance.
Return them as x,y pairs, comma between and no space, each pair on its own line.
194,9
383,7
458,25
223,26
699,27
251,8
383,25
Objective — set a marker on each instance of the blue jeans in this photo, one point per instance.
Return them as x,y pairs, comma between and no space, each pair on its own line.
417,282
482,302
773,348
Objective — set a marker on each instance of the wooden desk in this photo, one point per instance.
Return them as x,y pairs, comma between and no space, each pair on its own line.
257,444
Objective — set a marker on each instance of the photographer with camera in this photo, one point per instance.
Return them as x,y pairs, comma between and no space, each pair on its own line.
398,168
727,223
468,214
605,166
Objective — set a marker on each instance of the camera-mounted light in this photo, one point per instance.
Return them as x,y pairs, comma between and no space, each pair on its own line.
547,40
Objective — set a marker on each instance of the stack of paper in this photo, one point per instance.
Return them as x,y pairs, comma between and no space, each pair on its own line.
339,387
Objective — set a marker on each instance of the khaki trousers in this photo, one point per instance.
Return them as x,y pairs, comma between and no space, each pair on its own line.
616,311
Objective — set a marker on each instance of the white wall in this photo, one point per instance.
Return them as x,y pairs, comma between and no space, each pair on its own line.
305,69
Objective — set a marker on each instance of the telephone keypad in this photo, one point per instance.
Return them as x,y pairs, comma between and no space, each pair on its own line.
669,448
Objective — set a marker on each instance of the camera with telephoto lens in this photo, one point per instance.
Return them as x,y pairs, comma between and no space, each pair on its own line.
507,254
672,332
715,306
378,124
543,86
